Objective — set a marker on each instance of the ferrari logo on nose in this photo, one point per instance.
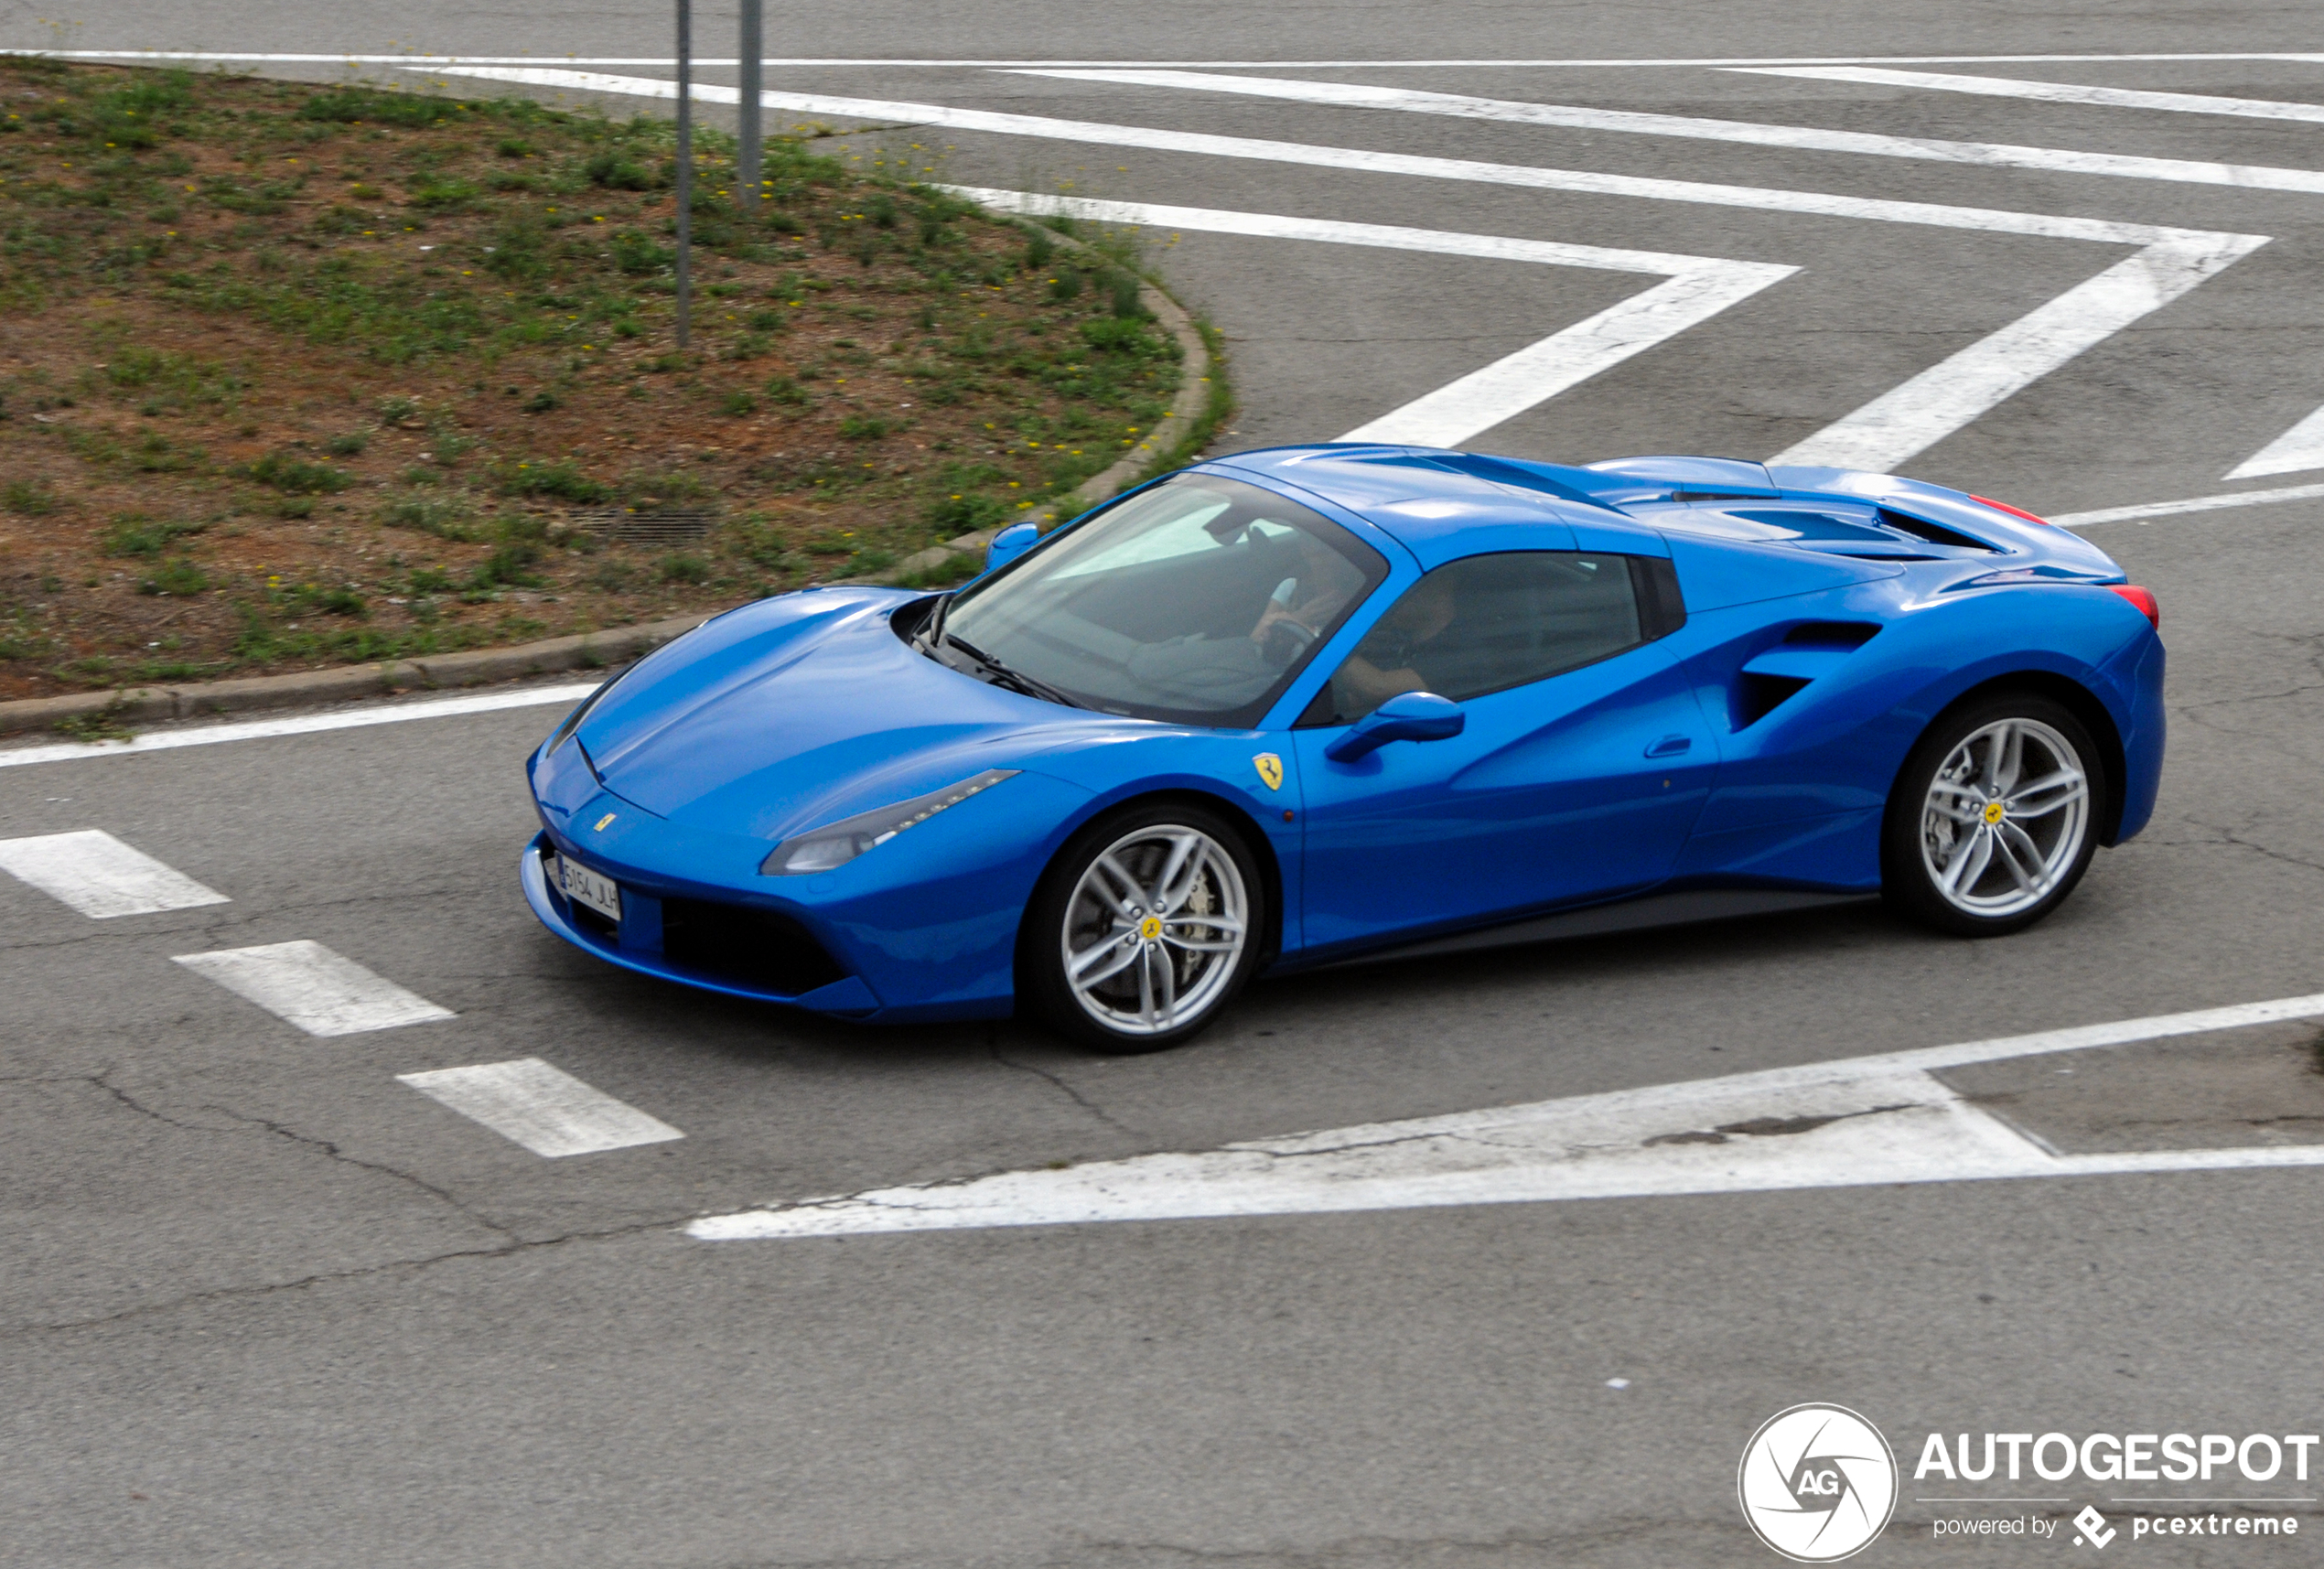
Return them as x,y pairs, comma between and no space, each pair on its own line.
1270,768
608,817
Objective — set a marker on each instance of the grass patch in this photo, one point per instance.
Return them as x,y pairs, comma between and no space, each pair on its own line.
331,372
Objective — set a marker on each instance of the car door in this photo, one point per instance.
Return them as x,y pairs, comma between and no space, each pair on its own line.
1583,764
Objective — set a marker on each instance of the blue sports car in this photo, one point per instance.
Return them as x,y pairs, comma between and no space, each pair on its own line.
1312,704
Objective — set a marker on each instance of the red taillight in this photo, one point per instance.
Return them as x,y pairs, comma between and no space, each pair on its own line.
2144,600
2013,512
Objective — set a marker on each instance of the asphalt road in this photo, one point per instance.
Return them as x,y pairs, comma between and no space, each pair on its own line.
265,1305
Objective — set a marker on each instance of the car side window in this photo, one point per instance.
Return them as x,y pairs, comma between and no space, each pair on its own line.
1486,623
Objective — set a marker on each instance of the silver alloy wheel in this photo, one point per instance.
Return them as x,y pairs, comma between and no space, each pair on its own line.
1154,929
2005,818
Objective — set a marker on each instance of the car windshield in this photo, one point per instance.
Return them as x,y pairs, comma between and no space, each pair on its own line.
1195,600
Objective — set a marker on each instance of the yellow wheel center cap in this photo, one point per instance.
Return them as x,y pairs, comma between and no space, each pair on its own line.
1995,812
1150,928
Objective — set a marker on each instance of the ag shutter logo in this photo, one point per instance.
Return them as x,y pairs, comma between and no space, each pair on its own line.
1817,1483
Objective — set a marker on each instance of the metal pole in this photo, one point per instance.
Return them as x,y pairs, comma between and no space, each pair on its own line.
686,166
751,130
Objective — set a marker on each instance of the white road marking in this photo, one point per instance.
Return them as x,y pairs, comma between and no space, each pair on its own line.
305,985
2297,450
2052,92
1987,155
1915,414
548,1112
886,62
1698,287
2196,504
1861,1120
1883,434
297,724
100,877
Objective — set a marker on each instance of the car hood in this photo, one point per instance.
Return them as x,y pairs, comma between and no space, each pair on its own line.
796,711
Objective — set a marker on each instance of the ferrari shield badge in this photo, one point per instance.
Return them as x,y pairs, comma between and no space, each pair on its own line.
1270,768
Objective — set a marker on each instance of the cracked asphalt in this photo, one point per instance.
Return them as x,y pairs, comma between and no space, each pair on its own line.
264,1305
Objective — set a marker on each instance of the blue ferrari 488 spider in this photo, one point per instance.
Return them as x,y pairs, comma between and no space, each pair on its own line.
1301,706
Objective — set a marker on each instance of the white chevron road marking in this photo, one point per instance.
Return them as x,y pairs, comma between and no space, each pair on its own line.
546,1110
2297,450
1806,138
2049,91
309,986
1863,1120
1882,434
100,877
1698,287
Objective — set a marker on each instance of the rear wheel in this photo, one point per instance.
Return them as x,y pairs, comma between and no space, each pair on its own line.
1146,923
1992,821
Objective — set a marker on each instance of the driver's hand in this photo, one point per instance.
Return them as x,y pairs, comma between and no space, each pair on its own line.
1268,617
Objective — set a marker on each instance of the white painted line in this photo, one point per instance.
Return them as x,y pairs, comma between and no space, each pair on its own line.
2197,504
2296,451
299,725
1860,1120
1917,413
1698,287
1881,436
2054,91
548,1112
100,877
1987,155
885,62
1277,226
305,985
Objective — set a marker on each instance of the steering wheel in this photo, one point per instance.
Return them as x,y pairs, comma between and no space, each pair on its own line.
1286,639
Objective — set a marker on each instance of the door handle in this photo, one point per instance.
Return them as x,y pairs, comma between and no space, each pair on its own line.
1670,747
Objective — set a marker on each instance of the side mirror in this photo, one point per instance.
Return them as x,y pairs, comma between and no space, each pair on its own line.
1407,717
1009,544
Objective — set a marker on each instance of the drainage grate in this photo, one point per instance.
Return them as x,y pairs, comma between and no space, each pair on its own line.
669,525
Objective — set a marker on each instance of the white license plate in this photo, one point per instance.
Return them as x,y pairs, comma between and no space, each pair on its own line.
584,886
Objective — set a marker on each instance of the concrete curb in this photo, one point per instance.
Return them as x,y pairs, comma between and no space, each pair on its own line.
615,645
147,705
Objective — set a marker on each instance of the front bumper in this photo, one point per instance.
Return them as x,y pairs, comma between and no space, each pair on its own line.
924,927
638,943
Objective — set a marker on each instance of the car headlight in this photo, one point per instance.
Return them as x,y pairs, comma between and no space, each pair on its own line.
836,843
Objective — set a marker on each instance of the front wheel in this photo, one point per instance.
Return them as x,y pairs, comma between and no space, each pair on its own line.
1146,923
1992,821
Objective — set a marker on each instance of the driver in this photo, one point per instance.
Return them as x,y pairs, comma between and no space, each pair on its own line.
1320,592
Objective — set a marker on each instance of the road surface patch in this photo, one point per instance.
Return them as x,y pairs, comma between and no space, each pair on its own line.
309,986
98,876
545,1110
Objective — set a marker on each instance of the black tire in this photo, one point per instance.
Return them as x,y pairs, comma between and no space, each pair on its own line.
2037,842
1222,880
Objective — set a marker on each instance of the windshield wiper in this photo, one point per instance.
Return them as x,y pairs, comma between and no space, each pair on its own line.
1002,675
